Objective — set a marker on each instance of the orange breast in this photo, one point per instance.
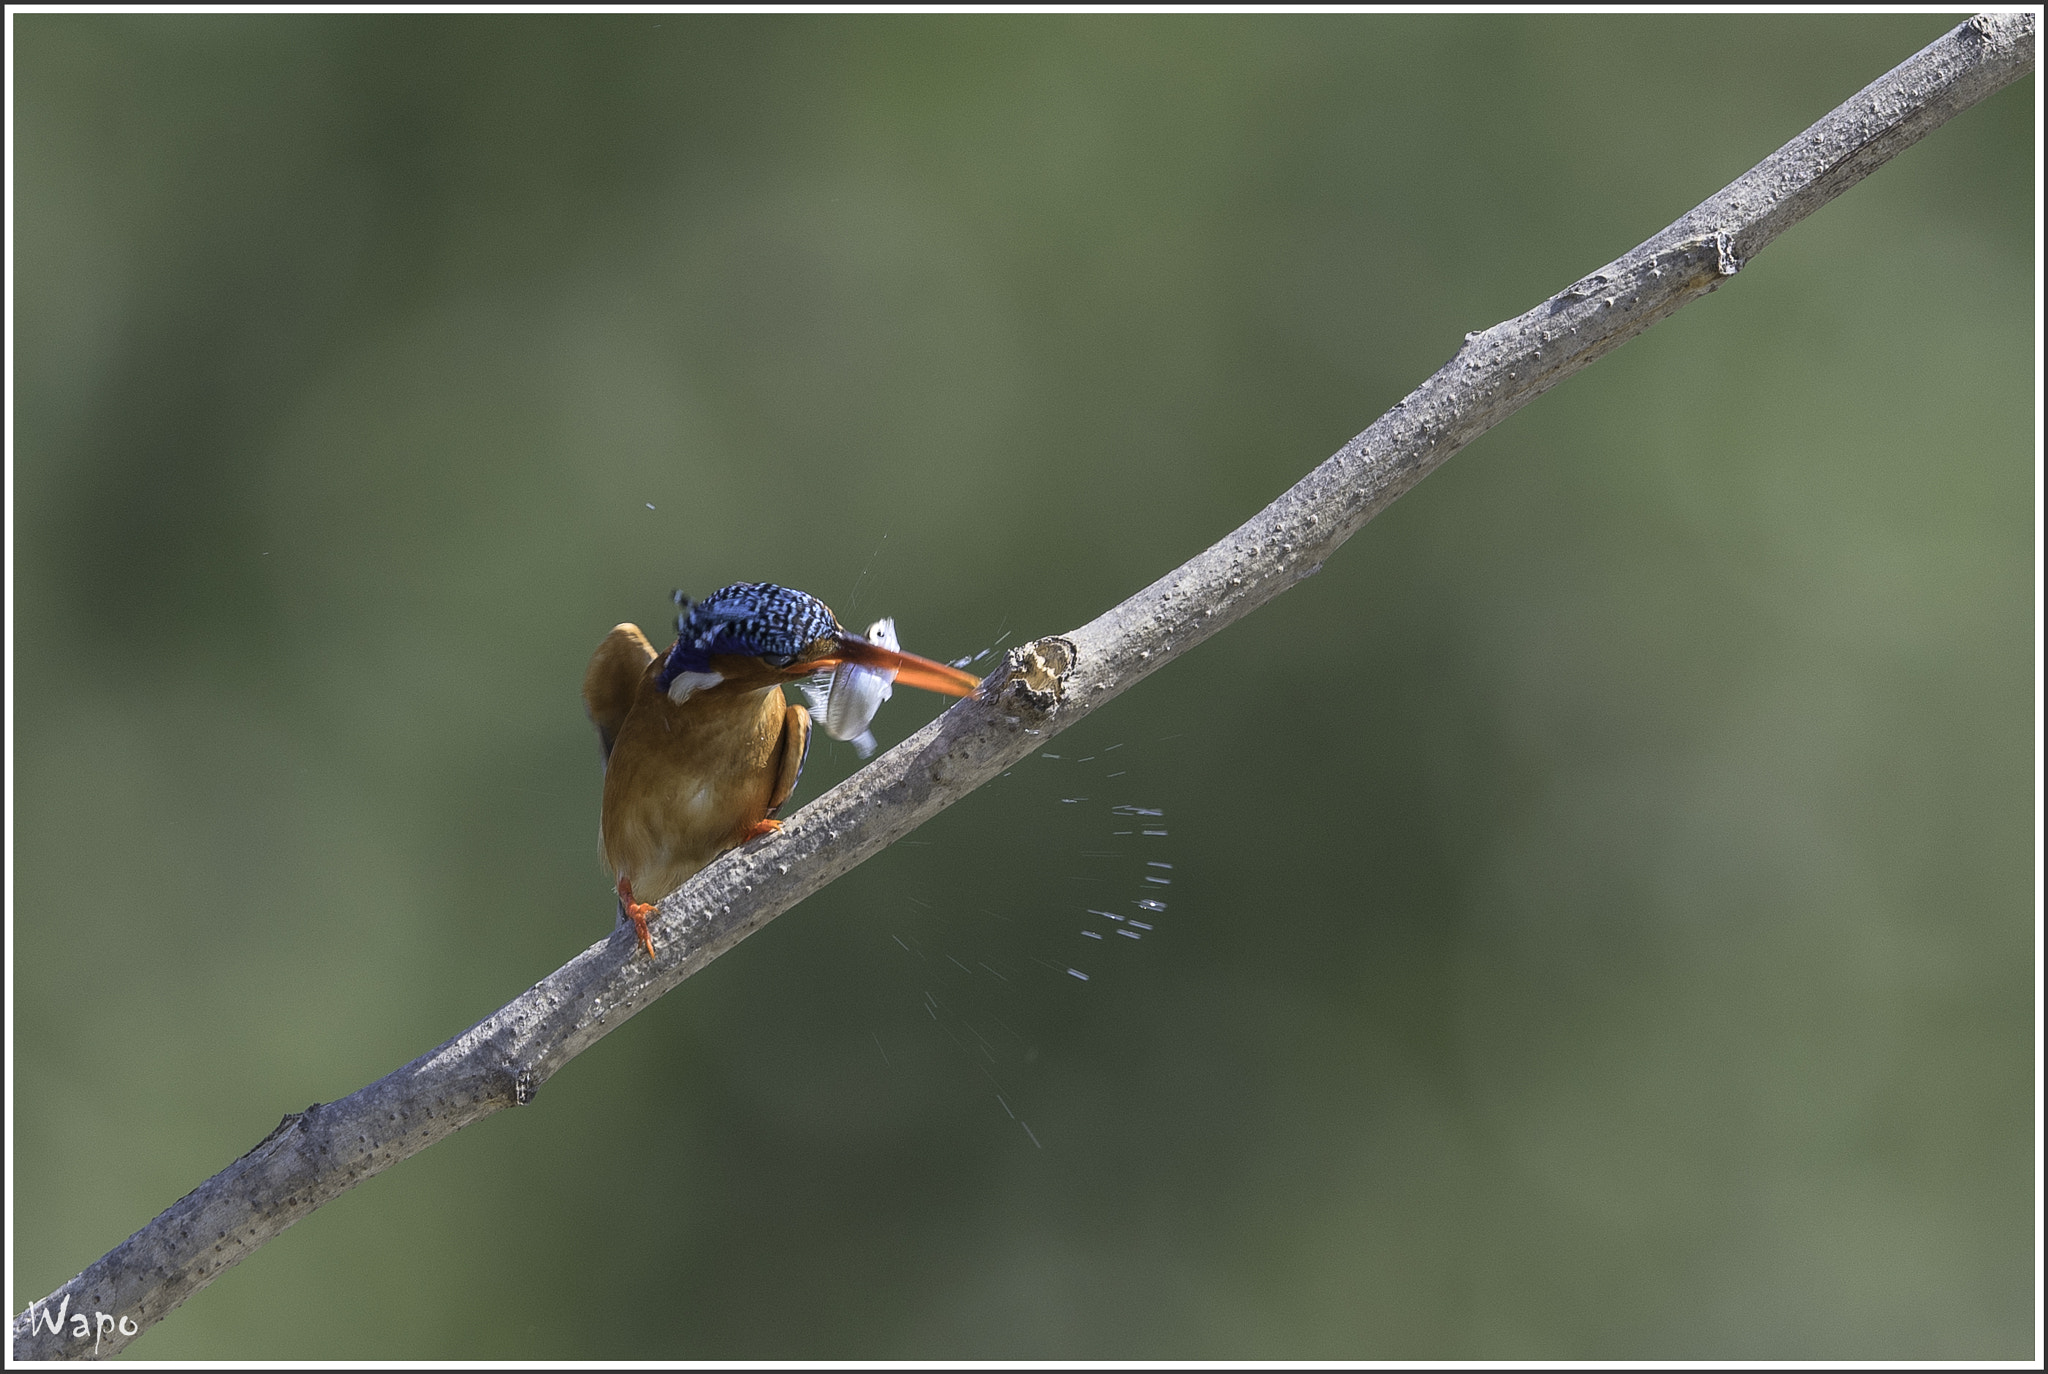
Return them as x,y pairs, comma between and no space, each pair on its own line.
684,783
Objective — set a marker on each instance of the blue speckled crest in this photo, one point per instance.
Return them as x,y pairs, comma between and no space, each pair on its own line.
757,619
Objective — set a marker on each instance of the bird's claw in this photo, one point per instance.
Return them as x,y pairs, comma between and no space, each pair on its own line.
637,913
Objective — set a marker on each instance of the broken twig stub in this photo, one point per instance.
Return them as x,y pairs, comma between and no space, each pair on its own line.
1035,674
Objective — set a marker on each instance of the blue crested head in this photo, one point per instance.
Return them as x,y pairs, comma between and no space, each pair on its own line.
753,619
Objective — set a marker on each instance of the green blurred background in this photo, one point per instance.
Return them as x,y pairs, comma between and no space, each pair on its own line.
1600,922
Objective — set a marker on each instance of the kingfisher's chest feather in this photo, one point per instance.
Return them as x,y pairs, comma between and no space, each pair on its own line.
707,736
699,757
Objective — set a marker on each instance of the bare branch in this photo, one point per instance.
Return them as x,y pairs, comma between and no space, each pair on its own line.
317,1154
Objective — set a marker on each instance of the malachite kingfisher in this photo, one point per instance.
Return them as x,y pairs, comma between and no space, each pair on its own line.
700,746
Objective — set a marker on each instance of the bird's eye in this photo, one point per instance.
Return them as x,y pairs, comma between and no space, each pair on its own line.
778,660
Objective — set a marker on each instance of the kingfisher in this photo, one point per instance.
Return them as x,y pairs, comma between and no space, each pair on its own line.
701,748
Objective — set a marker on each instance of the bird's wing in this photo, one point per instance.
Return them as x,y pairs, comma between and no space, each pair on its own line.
789,763
612,681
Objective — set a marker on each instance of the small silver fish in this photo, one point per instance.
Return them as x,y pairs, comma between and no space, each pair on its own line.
845,701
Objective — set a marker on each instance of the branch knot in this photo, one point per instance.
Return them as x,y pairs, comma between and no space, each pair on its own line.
1036,673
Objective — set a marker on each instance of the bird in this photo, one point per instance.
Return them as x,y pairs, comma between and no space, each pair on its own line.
700,746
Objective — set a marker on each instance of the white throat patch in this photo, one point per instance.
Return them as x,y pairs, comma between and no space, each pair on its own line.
683,685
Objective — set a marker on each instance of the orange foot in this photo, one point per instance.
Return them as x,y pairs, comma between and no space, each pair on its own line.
768,825
637,913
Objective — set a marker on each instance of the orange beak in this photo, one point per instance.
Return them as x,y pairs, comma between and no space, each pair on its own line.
910,670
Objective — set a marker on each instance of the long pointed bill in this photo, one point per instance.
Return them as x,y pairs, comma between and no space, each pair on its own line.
910,670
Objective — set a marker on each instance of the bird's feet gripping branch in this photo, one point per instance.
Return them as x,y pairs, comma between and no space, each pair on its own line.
701,748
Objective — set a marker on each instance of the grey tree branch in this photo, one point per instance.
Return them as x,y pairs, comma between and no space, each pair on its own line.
322,1152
